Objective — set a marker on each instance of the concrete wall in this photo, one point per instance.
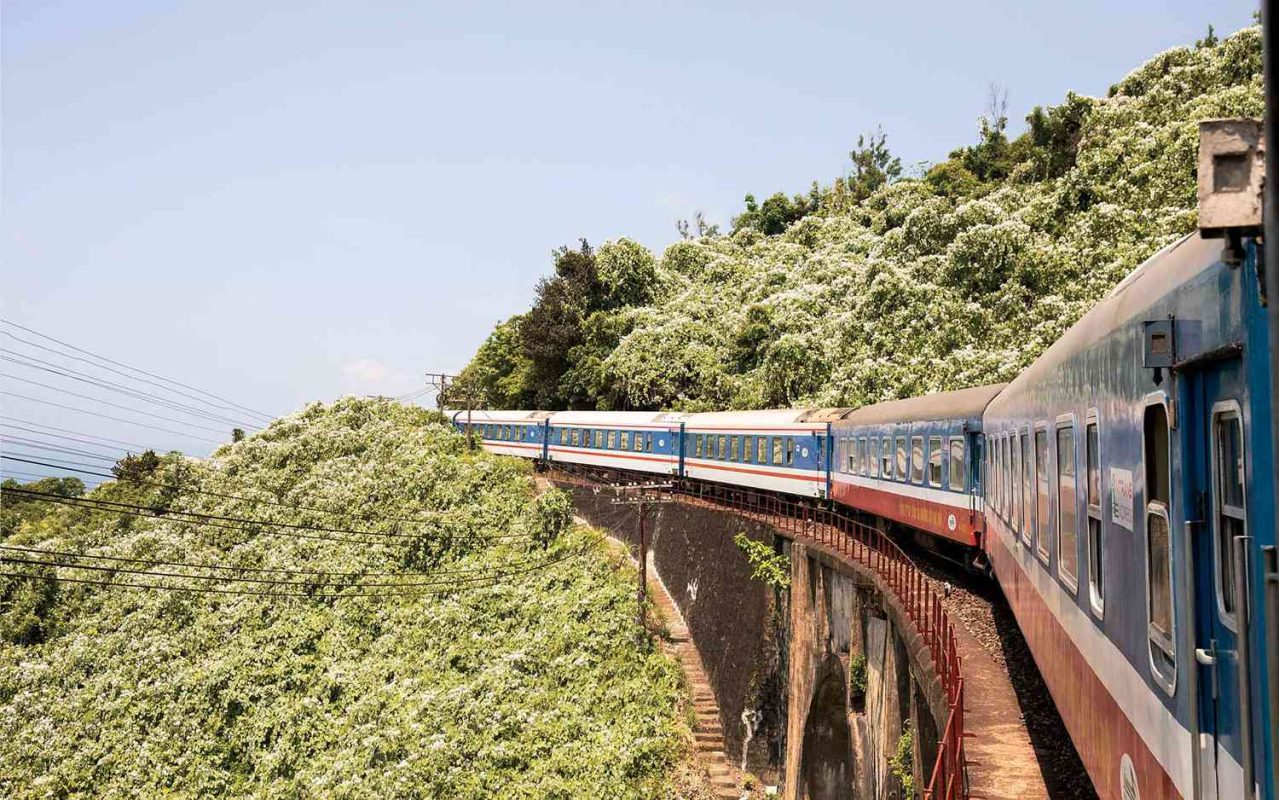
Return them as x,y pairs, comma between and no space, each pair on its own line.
782,662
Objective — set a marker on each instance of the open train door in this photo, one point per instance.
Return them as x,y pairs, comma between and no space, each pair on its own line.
1215,468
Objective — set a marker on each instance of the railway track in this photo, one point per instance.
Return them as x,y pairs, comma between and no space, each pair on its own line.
976,603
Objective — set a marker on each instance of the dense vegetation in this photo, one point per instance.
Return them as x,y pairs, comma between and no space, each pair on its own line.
879,286
528,686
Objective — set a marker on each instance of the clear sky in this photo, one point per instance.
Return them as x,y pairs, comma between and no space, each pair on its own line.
289,201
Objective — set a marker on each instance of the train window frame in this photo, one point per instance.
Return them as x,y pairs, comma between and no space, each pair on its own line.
1092,513
598,439
917,470
886,457
775,448
1027,486
1066,422
790,450
858,456
935,461
748,450
761,450
1164,672
1220,410
721,447
988,465
962,463
1043,499
901,466
998,485
734,447
610,441
648,442
1014,482
699,445
1005,478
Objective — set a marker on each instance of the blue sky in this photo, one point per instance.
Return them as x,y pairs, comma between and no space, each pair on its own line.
290,201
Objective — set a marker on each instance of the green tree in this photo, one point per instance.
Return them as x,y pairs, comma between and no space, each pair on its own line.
874,165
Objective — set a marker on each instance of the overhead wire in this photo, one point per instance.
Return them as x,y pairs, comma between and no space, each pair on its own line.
43,401
106,368
31,362
67,430
213,520
422,517
61,390
98,357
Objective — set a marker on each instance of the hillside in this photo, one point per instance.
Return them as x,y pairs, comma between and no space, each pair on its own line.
447,684
877,286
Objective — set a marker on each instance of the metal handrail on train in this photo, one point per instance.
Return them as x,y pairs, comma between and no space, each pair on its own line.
849,538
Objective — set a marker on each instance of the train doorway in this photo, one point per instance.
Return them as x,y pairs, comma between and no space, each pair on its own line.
1216,486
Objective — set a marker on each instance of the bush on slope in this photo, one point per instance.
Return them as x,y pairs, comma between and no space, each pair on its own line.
532,687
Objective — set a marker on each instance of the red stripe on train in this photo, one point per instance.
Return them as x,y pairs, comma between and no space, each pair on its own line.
1097,725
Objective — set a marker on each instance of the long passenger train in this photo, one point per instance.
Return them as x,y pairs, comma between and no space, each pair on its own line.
1118,488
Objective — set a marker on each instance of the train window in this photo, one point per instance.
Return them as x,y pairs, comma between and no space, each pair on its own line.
900,472
934,461
732,447
997,479
1027,490
1014,478
748,449
699,442
916,459
886,458
1005,502
1041,490
1228,485
776,442
574,437
858,457
1092,461
721,449
648,442
612,440
1067,507
955,479
790,450
1159,544
761,449
599,439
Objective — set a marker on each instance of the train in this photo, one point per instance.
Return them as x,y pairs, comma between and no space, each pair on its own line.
1118,490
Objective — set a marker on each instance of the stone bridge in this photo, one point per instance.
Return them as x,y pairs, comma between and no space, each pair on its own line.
816,683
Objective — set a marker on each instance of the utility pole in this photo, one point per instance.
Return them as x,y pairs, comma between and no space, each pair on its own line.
640,495
446,389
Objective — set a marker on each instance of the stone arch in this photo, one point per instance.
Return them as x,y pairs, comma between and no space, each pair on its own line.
826,760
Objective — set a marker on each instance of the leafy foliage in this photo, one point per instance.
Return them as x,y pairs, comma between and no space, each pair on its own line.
902,762
771,568
529,686
875,288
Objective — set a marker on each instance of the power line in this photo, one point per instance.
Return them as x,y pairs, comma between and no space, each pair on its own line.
41,400
226,496
214,590
276,582
32,362
45,433
109,403
96,365
67,430
212,520
135,369
62,465
32,444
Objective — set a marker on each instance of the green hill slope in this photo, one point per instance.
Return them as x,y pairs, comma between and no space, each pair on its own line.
530,686
869,289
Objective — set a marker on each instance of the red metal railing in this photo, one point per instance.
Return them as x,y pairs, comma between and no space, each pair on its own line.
849,539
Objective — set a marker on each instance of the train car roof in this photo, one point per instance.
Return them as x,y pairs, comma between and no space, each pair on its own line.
606,418
1167,269
798,418
959,404
479,417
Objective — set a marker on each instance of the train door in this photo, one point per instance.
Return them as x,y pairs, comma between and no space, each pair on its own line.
1214,465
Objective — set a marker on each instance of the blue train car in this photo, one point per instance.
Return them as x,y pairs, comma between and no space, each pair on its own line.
782,450
915,462
507,433
1128,512
646,441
